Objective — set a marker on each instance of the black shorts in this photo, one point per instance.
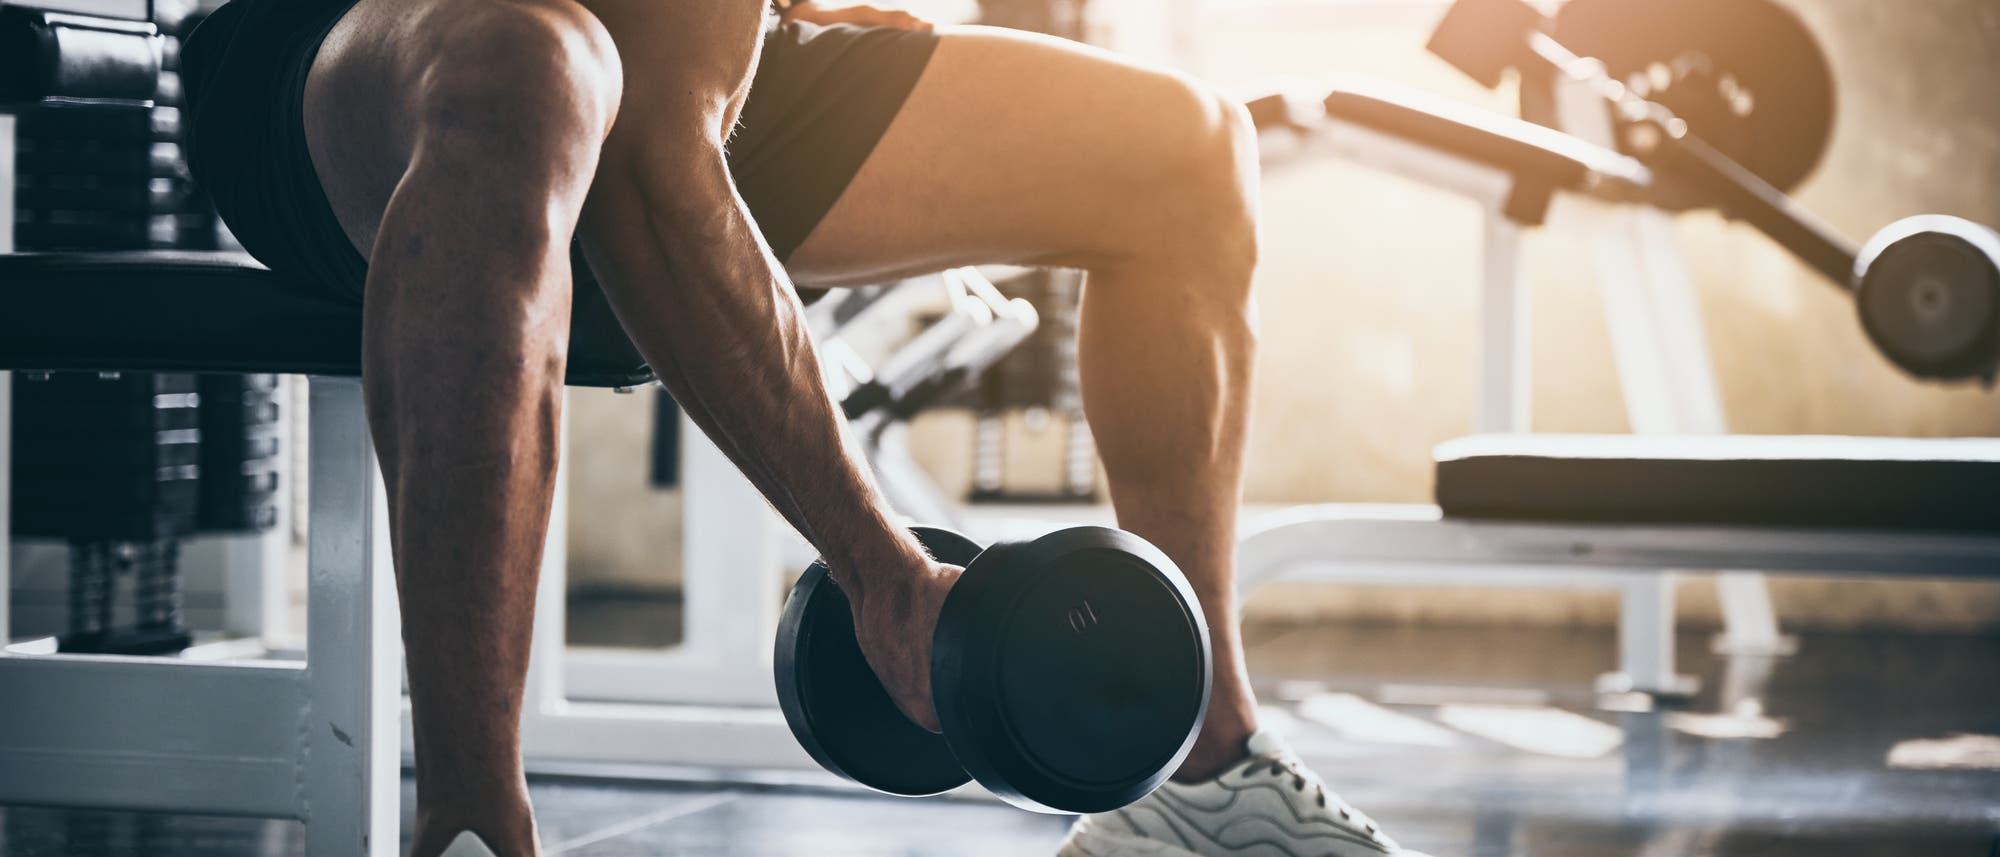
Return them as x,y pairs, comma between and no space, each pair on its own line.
821,99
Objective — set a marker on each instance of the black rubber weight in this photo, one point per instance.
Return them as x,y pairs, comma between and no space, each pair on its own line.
1761,46
1071,673
1931,300
833,702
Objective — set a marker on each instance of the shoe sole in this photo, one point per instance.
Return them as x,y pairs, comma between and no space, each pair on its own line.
1094,844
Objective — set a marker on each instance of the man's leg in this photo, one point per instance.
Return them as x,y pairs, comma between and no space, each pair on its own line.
456,142
1017,148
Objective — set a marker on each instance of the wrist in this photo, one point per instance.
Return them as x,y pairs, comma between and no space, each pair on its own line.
886,562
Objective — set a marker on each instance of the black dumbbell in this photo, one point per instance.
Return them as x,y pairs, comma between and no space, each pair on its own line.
1070,674
1928,290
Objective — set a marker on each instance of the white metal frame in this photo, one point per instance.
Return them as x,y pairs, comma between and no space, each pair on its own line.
6,388
313,740
707,704
6,498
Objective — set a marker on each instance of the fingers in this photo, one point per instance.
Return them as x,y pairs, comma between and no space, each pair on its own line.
921,711
896,18
860,16
909,684
907,21
894,626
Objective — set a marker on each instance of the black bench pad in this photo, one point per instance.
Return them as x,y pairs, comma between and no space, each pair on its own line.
1736,480
171,311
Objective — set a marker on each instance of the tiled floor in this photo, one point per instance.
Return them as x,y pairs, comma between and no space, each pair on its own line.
1462,741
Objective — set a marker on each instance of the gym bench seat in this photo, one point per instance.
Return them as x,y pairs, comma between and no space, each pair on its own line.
176,311
1637,505
319,740
1618,511
1935,485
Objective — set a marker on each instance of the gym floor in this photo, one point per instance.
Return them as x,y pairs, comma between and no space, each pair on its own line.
1467,741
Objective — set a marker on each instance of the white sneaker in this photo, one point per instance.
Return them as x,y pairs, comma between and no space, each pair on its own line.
1268,806
467,844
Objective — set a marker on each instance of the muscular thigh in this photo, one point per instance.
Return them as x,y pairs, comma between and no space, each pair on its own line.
1014,148
374,90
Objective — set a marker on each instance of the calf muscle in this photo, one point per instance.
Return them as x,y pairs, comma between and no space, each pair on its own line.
461,177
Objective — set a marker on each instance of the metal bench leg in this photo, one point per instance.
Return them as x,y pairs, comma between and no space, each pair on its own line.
1646,641
351,769
1749,624
6,496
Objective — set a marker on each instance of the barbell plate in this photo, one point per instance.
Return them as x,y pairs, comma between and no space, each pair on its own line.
1928,292
1071,673
1766,98
835,705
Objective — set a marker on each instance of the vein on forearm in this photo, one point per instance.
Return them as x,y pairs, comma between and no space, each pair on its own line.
749,329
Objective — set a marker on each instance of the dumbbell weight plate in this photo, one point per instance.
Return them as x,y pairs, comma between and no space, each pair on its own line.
1071,673
1928,292
836,706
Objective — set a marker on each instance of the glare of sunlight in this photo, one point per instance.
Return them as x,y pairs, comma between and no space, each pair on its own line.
1745,720
1962,750
1357,719
1547,731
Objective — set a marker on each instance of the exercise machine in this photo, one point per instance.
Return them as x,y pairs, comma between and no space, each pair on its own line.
1701,104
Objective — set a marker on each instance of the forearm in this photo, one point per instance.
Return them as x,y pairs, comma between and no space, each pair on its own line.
701,296
718,322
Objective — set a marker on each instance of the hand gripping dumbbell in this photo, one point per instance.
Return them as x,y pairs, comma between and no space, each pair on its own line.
1070,674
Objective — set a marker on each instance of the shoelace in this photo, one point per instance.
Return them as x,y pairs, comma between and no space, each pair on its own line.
1282,767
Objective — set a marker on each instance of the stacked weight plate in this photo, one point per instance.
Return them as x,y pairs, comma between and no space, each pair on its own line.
240,452
106,457
111,463
101,177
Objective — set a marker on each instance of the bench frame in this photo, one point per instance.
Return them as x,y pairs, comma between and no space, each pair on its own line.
312,740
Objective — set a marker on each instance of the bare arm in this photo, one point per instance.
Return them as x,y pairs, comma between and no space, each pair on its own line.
704,299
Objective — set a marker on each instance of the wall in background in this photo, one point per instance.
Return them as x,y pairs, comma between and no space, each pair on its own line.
1369,303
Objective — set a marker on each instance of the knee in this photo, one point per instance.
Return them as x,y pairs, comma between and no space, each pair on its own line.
1222,180
1204,196
510,104
532,84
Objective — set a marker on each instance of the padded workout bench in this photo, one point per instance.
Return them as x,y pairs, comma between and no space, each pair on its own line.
315,741
1617,510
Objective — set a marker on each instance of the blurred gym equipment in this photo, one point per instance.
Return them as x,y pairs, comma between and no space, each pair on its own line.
1928,288
1623,164
1718,103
